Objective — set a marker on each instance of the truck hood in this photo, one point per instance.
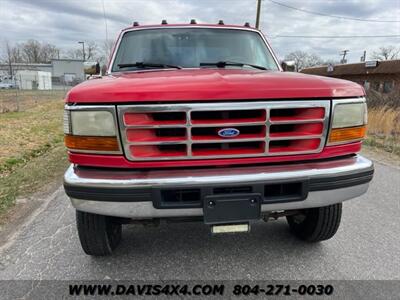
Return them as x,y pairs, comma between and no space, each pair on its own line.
209,84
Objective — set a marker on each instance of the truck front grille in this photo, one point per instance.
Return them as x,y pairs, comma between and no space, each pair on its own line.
193,131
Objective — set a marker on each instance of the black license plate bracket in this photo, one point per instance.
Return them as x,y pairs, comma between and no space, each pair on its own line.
229,209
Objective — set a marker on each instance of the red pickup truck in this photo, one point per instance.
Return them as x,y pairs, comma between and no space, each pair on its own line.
200,122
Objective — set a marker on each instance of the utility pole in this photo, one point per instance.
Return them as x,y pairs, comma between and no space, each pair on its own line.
364,57
344,53
258,14
10,67
83,49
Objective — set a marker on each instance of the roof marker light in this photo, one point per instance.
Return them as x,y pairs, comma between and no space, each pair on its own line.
247,24
164,22
221,22
193,21
135,23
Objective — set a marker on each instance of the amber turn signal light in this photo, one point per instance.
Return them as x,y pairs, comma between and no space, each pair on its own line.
347,134
92,143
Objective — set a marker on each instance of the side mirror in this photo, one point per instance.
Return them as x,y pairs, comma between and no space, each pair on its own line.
91,68
288,66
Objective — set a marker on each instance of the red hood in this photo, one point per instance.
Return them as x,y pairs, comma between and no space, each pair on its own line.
209,84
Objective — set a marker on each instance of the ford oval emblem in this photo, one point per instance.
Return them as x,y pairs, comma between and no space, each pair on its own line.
228,132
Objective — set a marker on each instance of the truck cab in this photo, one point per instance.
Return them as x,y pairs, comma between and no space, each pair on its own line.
200,122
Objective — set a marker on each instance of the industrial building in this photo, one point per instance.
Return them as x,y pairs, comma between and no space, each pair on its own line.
69,71
62,72
380,76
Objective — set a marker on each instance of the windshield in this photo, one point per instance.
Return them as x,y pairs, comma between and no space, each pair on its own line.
189,47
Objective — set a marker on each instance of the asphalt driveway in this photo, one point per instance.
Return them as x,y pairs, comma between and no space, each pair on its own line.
367,246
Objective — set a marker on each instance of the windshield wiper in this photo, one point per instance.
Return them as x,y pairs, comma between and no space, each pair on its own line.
223,64
144,65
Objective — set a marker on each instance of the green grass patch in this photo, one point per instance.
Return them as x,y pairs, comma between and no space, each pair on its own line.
32,154
30,133
33,176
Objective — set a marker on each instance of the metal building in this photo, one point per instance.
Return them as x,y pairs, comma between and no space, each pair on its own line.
68,71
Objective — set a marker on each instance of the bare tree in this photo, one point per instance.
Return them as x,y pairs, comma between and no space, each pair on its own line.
8,57
303,59
31,51
386,53
91,50
47,52
12,54
16,54
36,52
103,54
108,47
73,54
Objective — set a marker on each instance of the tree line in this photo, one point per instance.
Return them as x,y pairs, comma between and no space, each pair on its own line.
33,51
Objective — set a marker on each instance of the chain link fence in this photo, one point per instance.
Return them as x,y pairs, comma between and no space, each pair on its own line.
24,92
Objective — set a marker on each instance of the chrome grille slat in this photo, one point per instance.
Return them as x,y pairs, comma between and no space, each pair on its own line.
306,142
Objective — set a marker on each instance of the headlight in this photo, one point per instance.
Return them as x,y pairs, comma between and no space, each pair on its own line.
349,121
91,130
92,123
349,114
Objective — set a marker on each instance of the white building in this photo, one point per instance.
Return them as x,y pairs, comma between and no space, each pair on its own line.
33,80
63,71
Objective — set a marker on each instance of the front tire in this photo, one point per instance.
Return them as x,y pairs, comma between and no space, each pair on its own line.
316,224
99,235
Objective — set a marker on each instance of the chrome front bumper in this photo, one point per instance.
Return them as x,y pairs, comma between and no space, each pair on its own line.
126,193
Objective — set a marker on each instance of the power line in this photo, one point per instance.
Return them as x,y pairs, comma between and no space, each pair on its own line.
336,36
332,16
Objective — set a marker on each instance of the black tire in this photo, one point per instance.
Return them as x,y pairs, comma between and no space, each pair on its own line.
99,235
316,224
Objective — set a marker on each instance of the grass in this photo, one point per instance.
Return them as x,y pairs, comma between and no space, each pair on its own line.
29,133
32,154
384,128
34,176
21,100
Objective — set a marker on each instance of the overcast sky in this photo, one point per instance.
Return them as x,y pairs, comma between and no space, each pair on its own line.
64,22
